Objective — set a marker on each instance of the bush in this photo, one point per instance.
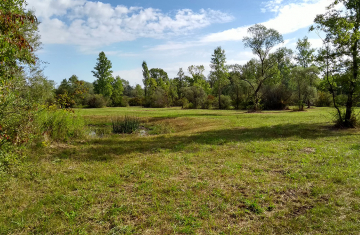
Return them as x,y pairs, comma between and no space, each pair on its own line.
137,101
225,102
159,98
195,95
276,97
60,125
125,125
210,102
96,101
324,99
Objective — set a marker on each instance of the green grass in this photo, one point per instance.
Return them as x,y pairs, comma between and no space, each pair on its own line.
215,172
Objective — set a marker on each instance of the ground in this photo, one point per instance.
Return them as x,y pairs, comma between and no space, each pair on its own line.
193,172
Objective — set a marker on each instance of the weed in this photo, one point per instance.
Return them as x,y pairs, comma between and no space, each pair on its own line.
125,125
253,206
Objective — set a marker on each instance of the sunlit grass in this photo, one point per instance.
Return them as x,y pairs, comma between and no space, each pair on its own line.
215,172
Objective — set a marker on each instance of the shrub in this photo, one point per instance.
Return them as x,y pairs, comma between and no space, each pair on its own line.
210,102
125,125
195,95
225,102
96,101
276,97
137,101
60,125
159,98
324,99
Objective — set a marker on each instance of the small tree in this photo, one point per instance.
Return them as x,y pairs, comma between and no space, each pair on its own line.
103,73
219,71
261,42
117,94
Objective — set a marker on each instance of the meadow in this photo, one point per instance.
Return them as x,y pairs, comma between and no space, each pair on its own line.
191,172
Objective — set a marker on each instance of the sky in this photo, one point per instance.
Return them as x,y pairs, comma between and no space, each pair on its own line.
166,34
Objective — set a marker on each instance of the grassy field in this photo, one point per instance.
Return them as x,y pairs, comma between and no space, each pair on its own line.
196,172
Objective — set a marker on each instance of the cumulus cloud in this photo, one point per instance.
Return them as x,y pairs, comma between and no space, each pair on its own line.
94,24
289,18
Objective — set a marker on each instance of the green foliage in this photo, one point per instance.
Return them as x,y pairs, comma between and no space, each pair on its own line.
261,42
117,92
96,101
303,80
225,102
195,95
103,73
305,55
342,28
159,98
136,101
72,92
219,72
125,125
324,99
276,97
60,125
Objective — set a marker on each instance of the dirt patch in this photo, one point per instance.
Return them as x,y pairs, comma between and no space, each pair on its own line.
309,150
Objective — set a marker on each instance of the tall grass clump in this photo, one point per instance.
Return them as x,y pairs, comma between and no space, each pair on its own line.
125,125
61,125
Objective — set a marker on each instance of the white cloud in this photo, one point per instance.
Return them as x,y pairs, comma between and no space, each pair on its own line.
134,76
289,18
93,24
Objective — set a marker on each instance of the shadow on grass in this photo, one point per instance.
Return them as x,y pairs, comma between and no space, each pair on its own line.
117,147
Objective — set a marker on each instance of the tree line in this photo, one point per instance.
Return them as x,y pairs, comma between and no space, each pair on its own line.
272,80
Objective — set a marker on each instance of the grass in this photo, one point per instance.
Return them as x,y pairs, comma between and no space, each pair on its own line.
216,172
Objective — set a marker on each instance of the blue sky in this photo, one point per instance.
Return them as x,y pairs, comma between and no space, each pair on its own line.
166,34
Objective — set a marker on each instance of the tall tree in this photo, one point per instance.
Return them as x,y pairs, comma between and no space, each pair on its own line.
261,42
102,71
219,71
305,54
342,28
146,78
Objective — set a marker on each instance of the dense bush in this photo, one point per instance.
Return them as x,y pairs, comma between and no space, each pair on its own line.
96,101
159,98
210,102
324,99
195,95
136,101
225,102
125,125
276,97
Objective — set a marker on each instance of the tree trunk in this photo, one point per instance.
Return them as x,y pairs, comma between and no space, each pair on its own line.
349,103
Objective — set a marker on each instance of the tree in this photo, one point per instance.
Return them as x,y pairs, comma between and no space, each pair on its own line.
219,71
146,80
18,37
103,73
195,95
305,55
198,78
342,29
239,88
302,80
117,94
261,42
180,81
